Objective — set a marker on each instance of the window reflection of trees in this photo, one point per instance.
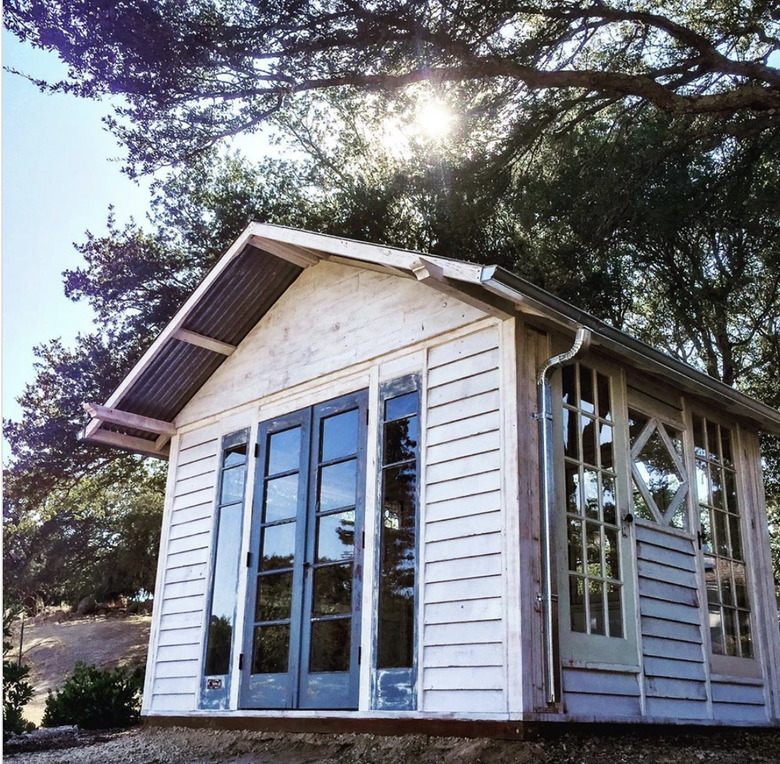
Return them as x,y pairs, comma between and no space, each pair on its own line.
398,542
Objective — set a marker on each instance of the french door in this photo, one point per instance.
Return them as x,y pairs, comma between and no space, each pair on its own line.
301,644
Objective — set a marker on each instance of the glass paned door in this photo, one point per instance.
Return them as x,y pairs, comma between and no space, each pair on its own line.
595,584
301,646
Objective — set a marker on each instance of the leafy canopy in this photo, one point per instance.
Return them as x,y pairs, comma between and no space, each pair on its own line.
191,73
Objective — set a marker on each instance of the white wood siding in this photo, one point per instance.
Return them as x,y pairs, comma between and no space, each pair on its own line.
332,317
181,594
463,605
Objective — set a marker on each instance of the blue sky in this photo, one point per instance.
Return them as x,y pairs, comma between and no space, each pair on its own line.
58,181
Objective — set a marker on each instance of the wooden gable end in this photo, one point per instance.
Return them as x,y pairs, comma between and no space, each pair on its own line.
333,317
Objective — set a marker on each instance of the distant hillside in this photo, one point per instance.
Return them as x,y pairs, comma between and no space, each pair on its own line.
54,641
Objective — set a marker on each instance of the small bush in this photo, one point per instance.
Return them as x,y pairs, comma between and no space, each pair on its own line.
17,691
95,699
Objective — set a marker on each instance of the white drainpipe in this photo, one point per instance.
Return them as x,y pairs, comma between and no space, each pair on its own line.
547,596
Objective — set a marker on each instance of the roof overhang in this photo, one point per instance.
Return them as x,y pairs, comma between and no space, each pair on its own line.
265,261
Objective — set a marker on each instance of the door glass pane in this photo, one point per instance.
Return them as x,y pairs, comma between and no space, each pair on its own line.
605,447
338,483
274,597
615,610
716,630
401,406
589,440
271,649
596,604
284,451
569,385
281,498
400,440
339,436
571,441
330,645
278,546
335,536
611,556
587,396
573,498
576,557
608,501
332,590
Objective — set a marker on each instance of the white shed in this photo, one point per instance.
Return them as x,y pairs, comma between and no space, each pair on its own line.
404,488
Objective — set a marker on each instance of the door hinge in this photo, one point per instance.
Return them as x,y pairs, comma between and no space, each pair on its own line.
249,559
241,661
257,450
360,654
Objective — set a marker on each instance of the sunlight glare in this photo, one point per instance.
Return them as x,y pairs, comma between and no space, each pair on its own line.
434,120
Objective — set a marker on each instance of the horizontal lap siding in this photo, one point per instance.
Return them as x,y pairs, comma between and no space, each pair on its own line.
592,692
181,595
675,679
463,648
733,700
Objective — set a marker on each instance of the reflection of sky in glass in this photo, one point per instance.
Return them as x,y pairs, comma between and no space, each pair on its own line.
234,455
284,451
226,563
339,436
337,485
233,485
278,546
281,499
402,406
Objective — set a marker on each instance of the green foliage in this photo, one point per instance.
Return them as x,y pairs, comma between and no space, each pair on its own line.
17,691
98,537
191,74
92,698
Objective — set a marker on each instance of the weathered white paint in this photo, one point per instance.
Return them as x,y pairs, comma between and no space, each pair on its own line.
463,592
176,650
332,317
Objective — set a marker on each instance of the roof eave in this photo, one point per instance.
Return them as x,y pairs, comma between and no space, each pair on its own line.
531,298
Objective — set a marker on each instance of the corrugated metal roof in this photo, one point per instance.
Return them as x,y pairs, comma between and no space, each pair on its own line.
237,298
246,283
242,295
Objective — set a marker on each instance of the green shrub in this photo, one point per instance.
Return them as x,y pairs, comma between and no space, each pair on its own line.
16,690
95,699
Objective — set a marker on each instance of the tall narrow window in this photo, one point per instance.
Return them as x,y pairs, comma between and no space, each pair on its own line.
595,578
395,658
721,540
226,546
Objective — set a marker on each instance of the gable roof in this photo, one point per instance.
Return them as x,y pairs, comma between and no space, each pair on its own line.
264,262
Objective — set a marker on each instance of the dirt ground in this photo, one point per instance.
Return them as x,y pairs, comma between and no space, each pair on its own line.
188,746
55,640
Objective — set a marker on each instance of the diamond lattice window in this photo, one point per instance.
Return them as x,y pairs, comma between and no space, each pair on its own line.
660,478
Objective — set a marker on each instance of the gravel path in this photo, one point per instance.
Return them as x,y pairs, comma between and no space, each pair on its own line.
189,746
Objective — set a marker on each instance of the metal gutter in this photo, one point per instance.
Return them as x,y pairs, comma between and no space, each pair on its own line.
523,293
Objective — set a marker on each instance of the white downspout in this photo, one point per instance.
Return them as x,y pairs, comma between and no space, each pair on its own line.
547,596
